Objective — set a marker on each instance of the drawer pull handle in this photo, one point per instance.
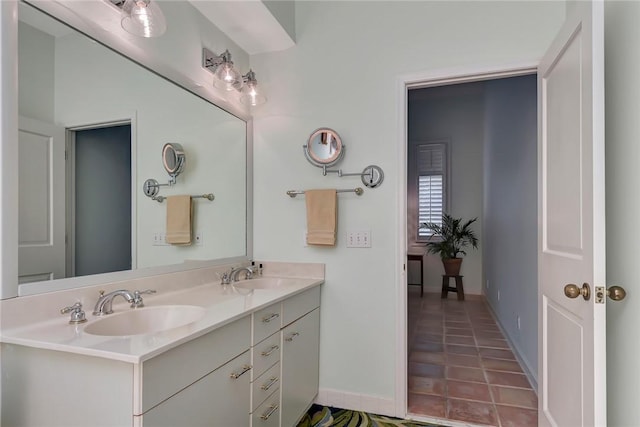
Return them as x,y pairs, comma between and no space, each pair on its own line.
273,408
245,369
293,335
271,382
270,317
271,350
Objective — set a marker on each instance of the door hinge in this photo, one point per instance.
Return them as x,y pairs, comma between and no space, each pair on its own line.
601,294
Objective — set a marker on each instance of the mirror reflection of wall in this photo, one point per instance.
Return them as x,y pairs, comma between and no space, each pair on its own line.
69,82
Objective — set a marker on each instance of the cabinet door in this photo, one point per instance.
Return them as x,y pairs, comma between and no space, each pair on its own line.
217,400
300,359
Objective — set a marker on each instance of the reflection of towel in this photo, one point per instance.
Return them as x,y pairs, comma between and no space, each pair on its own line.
179,212
322,217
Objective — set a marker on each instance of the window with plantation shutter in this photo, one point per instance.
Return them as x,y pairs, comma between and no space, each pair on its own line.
432,172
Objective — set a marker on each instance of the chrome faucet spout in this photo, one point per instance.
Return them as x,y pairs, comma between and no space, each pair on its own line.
233,275
105,302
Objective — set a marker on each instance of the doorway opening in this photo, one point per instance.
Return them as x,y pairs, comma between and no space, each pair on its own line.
460,365
99,205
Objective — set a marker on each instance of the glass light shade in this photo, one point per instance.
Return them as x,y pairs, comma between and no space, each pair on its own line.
251,96
226,76
143,18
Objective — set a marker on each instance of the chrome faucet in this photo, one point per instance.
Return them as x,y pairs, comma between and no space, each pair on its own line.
103,306
235,272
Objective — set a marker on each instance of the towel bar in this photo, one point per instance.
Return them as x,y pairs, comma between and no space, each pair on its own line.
358,191
208,196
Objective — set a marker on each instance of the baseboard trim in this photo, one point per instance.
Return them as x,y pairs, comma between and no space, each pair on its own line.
356,402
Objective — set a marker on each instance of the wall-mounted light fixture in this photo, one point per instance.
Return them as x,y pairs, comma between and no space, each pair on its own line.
142,17
228,78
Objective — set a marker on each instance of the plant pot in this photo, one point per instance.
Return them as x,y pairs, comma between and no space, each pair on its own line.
452,266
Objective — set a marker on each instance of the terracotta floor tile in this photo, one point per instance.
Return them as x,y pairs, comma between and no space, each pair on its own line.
488,334
517,417
515,396
428,370
427,357
492,342
501,365
453,339
468,390
428,346
424,404
466,332
427,337
508,379
495,353
465,374
422,385
460,364
474,412
462,360
461,349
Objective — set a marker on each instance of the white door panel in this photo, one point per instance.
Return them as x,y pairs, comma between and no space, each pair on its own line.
41,224
571,211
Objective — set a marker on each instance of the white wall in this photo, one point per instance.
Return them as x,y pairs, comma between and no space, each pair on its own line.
456,114
510,211
343,74
37,75
622,91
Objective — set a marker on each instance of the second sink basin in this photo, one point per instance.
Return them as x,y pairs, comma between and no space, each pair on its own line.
145,320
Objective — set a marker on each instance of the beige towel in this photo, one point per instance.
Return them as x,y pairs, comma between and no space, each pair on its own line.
322,217
179,216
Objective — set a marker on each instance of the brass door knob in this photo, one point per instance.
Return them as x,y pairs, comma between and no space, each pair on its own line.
573,291
616,293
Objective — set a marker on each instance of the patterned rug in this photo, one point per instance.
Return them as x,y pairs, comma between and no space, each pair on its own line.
324,416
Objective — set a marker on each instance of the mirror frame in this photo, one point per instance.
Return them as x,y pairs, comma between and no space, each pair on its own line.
315,160
175,158
9,151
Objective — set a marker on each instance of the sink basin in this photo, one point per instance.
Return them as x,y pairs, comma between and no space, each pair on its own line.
263,283
145,320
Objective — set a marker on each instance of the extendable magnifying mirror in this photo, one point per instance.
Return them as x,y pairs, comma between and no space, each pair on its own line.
324,148
173,160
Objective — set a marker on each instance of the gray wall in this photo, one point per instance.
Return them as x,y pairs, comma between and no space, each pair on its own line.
510,211
103,200
454,113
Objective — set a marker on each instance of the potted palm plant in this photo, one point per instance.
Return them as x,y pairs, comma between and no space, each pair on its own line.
449,240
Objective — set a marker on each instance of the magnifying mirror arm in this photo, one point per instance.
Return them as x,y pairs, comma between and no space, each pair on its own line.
325,171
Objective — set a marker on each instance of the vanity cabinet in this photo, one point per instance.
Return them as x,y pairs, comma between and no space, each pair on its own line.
258,371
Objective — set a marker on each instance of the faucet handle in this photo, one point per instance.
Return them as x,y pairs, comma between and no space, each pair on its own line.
137,297
225,278
77,313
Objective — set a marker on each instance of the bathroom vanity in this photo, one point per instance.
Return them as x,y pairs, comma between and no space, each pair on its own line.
250,359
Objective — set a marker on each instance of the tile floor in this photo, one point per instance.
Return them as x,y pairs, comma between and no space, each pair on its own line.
460,366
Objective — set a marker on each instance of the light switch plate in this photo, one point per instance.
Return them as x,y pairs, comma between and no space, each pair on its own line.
359,239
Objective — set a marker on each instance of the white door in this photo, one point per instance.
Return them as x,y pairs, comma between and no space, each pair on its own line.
571,246
41,183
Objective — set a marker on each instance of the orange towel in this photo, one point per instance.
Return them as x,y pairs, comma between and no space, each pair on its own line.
179,215
322,217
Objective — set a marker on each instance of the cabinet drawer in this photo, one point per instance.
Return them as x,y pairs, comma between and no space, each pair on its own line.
217,400
265,354
170,372
299,305
266,322
265,385
268,414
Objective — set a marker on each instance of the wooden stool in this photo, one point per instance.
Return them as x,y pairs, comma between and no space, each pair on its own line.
416,257
459,288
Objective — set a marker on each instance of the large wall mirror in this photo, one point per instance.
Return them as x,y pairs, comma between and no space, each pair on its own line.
114,116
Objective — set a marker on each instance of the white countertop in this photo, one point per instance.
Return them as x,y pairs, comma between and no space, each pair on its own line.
222,304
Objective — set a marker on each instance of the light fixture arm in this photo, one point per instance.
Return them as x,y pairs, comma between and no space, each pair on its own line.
211,61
